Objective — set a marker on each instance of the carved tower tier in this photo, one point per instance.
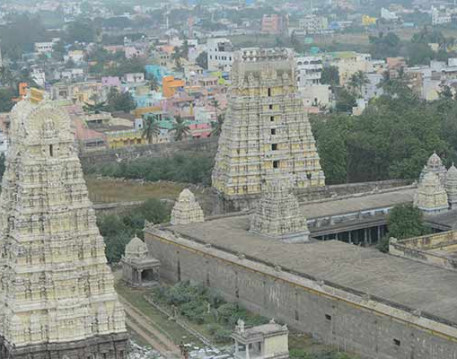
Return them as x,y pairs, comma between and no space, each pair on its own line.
266,134
57,297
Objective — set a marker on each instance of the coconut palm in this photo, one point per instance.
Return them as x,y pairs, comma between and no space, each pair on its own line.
150,127
217,126
357,81
180,129
95,108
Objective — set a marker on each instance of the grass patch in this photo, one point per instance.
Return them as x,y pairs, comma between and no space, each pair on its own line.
206,311
103,190
164,325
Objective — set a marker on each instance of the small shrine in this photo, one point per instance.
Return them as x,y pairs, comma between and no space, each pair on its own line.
261,342
278,214
186,209
138,268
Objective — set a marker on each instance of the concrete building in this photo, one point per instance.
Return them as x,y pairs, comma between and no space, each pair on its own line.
220,54
266,134
57,299
313,24
275,24
309,70
44,47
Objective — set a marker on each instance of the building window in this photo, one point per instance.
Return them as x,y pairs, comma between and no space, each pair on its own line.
297,317
397,342
51,151
328,317
270,107
274,146
273,131
269,92
272,118
275,164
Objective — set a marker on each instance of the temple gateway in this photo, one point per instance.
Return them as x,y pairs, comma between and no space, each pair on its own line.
57,298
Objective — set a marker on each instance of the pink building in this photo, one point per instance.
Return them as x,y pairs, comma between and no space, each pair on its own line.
200,130
111,81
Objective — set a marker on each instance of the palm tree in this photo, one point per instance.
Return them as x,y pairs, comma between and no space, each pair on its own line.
180,128
217,126
153,83
358,80
95,108
150,127
7,77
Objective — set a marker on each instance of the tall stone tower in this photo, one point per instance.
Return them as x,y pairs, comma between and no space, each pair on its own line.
57,298
266,134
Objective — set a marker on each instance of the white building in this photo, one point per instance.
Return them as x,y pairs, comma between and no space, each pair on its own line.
44,47
313,24
440,17
388,15
372,88
136,77
309,70
220,54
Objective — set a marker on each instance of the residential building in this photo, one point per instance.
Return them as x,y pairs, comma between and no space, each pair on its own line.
313,24
275,24
220,54
309,70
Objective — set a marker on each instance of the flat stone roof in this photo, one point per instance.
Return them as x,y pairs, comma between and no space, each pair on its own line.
357,203
397,280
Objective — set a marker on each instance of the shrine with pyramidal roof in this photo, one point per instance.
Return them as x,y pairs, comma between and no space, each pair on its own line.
57,297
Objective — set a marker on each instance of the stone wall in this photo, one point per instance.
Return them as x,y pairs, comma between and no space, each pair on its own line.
422,249
335,315
202,146
234,204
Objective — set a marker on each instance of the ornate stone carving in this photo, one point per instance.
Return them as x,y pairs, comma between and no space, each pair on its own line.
435,165
431,196
451,186
266,133
278,214
186,210
52,253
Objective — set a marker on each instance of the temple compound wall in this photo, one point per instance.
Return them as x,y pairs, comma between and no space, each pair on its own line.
345,318
435,249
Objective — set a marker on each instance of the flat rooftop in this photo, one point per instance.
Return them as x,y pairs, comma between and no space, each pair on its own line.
357,203
397,280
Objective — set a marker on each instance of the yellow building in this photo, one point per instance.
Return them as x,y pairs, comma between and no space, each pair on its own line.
368,20
119,139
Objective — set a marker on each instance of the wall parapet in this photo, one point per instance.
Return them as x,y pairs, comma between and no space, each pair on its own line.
424,320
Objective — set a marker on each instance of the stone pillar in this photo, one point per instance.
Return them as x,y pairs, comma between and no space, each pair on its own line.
369,235
247,351
236,348
379,232
350,236
364,236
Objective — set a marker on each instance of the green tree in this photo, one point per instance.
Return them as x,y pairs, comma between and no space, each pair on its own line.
150,127
345,101
180,129
331,134
202,60
153,83
330,76
95,108
405,221
120,101
357,81
6,99
383,46
217,126
81,30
